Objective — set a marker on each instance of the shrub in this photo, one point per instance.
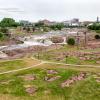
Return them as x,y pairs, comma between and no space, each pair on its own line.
71,41
4,30
1,35
97,36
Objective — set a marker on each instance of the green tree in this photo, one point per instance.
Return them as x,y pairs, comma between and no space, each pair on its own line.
1,35
71,41
8,22
4,30
39,24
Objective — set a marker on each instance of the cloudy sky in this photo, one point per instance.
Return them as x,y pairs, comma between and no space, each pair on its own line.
57,10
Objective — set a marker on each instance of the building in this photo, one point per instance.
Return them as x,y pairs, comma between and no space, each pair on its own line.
47,22
26,23
97,19
73,22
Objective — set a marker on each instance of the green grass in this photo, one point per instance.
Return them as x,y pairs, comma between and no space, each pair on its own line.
71,60
82,90
97,31
10,65
53,55
16,64
86,90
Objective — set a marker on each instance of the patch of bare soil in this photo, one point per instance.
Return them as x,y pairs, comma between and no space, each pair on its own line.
9,42
31,90
52,72
28,77
52,78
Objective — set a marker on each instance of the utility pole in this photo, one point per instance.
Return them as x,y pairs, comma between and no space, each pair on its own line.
85,40
77,40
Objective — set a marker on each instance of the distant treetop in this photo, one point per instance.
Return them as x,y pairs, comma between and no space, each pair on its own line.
8,22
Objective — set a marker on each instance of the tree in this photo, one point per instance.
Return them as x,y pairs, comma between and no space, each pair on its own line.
94,26
57,26
4,30
1,35
8,22
71,41
39,24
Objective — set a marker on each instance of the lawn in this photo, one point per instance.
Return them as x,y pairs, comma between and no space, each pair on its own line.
12,85
17,64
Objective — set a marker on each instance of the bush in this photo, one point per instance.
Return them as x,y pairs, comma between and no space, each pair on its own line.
4,30
97,36
71,41
1,35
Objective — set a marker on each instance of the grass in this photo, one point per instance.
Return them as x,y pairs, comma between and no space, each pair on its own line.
71,60
12,85
97,31
46,90
83,90
54,55
16,64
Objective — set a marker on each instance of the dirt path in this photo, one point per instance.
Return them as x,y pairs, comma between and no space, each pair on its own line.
7,72
47,62
73,64
67,64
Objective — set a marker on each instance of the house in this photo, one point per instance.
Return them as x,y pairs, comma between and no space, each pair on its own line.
47,22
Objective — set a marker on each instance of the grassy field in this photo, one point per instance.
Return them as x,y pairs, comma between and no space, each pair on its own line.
17,64
12,85
52,55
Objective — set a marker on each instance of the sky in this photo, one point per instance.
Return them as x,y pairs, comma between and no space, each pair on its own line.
54,10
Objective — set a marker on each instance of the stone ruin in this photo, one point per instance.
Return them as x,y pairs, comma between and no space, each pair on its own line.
72,80
51,75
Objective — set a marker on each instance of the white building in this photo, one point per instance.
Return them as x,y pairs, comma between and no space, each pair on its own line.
73,22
